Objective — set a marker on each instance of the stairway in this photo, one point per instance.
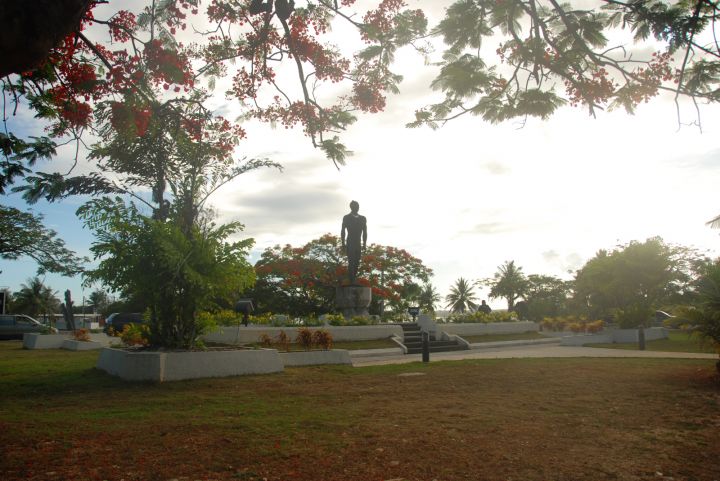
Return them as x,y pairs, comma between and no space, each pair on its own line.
412,338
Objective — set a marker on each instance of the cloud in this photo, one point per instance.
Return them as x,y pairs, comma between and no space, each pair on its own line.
496,168
294,207
489,228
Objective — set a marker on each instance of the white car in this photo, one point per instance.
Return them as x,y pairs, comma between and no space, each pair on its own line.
13,326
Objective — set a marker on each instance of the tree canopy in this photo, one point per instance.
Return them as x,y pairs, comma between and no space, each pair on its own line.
635,279
509,283
302,280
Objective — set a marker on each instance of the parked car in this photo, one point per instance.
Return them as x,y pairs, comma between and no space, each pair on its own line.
118,320
13,326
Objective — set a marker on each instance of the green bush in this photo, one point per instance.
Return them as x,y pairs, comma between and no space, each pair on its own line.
481,317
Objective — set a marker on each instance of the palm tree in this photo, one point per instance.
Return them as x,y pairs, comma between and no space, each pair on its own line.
35,298
509,283
428,297
99,300
461,297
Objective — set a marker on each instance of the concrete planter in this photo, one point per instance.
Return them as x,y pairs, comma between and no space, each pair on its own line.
43,341
178,365
250,334
73,345
614,336
313,358
480,328
55,341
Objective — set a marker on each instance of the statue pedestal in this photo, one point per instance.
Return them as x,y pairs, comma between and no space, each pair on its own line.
353,300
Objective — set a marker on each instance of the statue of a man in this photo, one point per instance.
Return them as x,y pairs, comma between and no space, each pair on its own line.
356,226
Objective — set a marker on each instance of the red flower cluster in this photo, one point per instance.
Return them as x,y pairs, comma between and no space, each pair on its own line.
167,65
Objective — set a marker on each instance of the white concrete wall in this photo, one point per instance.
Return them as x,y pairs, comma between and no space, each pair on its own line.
615,336
55,341
199,364
175,366
581,339
313,358
250,334
73,345
43,341
478,329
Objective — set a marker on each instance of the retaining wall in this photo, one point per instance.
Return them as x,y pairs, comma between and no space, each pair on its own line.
312,358
478,329
55,341
250,334
176,366
614,336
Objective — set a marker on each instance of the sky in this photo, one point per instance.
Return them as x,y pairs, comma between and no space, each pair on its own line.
469,196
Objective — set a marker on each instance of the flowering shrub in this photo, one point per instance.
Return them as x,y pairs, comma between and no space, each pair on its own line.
305,338
574,324
135,335
266,340
322,339
481,317
282,341
81,335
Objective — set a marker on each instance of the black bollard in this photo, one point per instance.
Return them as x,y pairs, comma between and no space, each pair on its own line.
425,346
641,338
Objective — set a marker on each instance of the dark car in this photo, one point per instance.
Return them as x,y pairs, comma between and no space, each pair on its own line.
118,320
13,326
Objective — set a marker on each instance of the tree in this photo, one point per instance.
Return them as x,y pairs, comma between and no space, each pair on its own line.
428,297
553,53
302,280
546,296
461,297
509,282
99,300
635,279
35,299
177,271
22,234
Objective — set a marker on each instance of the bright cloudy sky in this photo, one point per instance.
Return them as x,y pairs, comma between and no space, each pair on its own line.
472,195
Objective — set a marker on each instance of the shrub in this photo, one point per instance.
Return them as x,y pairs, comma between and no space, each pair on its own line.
282,341
305,338
547,324
323,339
264,319
135,335
594,326
266,340
336,320
81,335
576,327
223,317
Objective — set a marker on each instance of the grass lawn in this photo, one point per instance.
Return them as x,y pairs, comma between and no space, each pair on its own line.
677,341
520,419
521,336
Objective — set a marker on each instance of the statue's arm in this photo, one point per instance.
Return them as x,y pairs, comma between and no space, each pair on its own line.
364,232
342,233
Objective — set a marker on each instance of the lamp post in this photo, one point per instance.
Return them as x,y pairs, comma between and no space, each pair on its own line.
244,306
414,311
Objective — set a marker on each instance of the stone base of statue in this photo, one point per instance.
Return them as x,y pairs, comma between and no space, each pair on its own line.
353,301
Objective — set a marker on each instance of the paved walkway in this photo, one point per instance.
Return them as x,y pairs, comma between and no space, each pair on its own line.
391,356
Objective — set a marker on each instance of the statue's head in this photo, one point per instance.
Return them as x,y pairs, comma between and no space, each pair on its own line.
354,207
